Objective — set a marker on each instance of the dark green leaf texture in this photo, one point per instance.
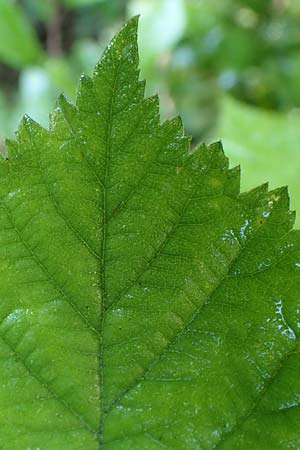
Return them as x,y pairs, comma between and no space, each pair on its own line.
145,303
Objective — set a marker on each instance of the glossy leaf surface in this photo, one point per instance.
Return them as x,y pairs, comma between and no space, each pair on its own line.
145,303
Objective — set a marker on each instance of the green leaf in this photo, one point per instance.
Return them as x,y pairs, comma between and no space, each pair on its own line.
18,44
81,3
145,303
265,143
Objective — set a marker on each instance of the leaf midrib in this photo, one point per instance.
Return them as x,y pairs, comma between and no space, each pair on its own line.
103,256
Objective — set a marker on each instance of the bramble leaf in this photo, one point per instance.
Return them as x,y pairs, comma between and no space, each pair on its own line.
145,302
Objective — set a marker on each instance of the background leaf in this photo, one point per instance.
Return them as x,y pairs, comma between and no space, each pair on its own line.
80,3
265,143
18,43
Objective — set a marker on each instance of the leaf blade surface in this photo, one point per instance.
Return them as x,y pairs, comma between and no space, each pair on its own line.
147,303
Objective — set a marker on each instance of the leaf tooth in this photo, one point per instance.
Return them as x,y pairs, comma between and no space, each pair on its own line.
119,48
85,88
279,209
233,184
280,195
174,123
257,195
217,150
64,107
30,124
28,131
142,84
210,157
10,145
64,103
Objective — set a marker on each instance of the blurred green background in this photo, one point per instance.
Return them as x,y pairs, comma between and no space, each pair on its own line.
231,68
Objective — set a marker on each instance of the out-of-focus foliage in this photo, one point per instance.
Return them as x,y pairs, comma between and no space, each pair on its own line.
253,47
19,45
192,51
248,48
44,47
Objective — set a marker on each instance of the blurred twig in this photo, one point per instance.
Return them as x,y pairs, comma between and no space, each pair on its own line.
54,32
